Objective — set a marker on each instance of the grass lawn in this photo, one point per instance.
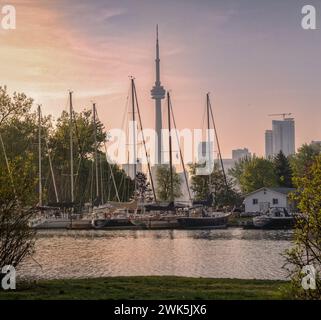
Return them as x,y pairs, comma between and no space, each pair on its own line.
145,288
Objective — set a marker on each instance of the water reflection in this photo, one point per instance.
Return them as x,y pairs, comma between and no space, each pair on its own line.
230,253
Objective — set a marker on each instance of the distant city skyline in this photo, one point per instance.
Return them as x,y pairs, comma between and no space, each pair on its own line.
252,56
280,138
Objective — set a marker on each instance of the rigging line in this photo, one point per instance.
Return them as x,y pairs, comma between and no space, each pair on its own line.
203,118
120,187
144,142
8,166
218,145
50,160
180,152
111,171
52,172
125,114
101,178
80,146
109,189
92,183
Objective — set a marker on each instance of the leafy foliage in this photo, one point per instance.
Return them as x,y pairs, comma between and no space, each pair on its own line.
283,170
224,195
144,192
17,181
254,173
307,250
164,185
304,158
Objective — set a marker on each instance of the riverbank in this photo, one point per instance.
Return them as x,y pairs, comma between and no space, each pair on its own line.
148,288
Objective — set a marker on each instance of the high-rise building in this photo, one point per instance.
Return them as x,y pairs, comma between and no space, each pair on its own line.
268,143
280,138
283,136
158,93
239,154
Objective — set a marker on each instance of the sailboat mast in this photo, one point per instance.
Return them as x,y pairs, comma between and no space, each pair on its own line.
170,146
134,130
71,148
101,179
209,149
39,156
96,151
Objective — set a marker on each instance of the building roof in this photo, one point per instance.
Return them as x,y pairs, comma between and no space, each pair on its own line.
284,191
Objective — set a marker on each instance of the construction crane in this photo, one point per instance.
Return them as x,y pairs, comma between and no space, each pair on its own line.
280,114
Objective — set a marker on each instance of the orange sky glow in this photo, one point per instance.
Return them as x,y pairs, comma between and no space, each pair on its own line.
251,67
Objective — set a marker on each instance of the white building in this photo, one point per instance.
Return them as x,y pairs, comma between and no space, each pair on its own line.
265,198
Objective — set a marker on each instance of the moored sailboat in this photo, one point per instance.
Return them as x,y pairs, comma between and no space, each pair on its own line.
205,216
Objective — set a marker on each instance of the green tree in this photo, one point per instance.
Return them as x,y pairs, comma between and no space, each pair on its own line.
238,169
255,173
14,106
202,186
283,170
144,191
304,158
17,181
163,183
17,185
307,249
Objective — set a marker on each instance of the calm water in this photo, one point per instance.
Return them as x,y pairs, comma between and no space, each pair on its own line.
231,253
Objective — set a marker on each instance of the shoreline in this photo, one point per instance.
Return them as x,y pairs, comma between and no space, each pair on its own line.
148,288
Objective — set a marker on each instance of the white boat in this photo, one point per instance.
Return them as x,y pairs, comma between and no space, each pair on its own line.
275,218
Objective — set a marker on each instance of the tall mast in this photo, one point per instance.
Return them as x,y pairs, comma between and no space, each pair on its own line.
96,151
101,179
218,144
209,149
39,156
170,146
144,143
71,149
134,129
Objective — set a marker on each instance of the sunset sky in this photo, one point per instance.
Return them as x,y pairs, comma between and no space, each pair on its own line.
252,55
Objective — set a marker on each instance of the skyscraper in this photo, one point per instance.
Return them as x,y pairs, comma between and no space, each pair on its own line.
280,138
158,93
283,136
268,143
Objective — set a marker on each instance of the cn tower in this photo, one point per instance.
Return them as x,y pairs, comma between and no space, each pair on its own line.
158,93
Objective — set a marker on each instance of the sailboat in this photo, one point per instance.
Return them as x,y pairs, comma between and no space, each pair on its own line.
114,214
163,216
206,216
50,216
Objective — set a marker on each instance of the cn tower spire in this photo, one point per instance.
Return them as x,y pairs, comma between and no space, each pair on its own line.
157,59
158,93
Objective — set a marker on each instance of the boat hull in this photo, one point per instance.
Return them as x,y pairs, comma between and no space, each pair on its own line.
113,223
217,222
157,223
264,222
